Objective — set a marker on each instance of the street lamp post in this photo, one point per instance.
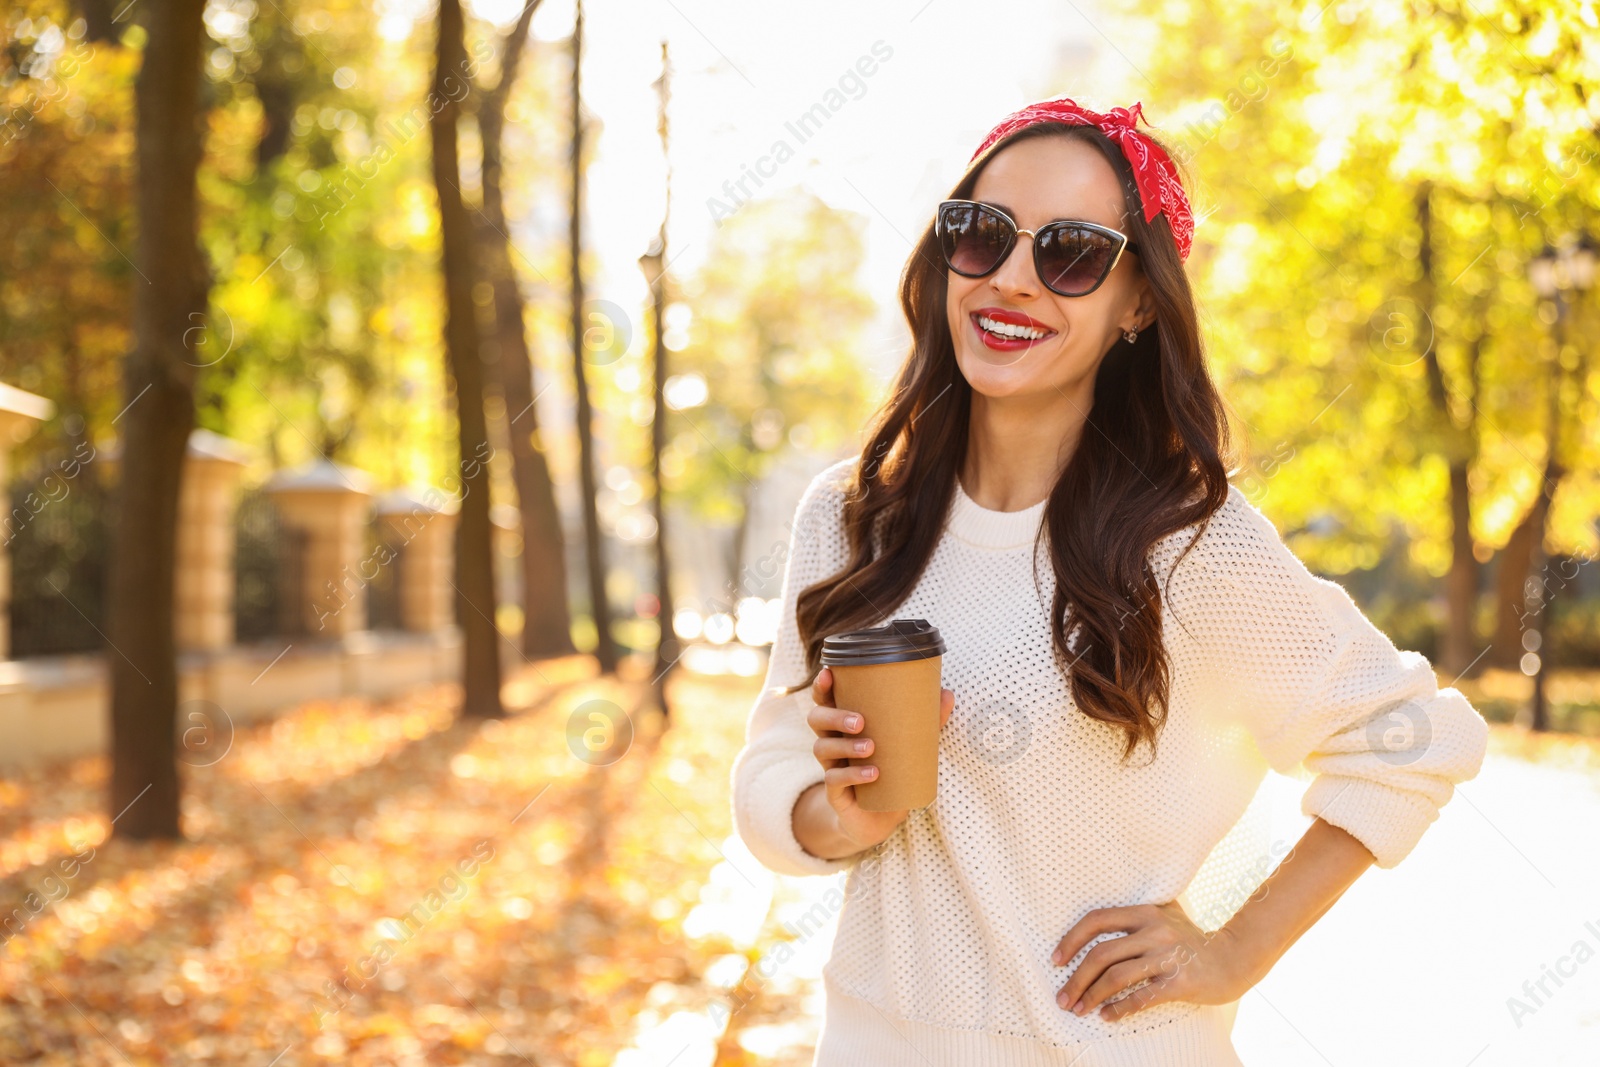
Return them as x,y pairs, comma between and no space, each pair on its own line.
1557,274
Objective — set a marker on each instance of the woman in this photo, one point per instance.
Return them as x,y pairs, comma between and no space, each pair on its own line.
1129,647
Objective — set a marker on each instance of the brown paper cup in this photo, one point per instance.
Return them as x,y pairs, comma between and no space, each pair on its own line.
899,706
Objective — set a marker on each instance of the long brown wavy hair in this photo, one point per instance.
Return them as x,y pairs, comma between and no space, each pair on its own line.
1149,463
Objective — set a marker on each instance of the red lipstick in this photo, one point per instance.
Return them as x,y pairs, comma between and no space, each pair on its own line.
1008,317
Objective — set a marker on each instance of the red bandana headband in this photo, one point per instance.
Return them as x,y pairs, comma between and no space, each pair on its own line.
1153,172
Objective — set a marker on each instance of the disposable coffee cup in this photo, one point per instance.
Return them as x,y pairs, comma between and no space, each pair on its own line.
890,674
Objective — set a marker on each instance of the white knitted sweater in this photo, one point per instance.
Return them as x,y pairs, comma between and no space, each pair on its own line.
942,953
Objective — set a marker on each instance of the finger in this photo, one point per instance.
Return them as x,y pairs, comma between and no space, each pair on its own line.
1159,991
1115,980
1095,964
947,704
841,748
826,719
822,688
836,779
1097,922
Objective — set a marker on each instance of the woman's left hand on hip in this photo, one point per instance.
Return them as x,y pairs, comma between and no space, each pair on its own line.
1162,957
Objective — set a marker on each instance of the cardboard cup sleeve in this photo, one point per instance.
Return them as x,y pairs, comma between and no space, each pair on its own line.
899,706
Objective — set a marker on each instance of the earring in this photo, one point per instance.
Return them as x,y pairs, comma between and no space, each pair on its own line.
1130,335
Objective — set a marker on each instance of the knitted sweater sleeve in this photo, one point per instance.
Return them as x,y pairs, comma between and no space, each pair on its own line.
776,764
1291,656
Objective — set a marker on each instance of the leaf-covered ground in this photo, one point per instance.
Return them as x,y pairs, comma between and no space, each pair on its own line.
387,883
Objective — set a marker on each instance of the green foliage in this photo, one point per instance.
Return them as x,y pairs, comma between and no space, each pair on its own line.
776,329
66,235
1308,140
320,227
318,224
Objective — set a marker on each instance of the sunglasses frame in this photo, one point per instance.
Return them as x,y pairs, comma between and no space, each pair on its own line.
1123,243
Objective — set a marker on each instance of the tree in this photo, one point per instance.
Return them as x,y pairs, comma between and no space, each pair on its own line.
605,648
319,219
1457,437
100,19
654,262
546,621
1369,154
778,313
68,167
159,376
1524,586
474,564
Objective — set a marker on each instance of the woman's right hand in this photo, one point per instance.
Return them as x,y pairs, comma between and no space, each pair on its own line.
837,742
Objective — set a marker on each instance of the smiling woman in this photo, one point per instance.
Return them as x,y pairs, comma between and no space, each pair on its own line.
1046,483
1125,436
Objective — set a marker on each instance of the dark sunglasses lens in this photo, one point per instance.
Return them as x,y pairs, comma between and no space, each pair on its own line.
1073,259
973,238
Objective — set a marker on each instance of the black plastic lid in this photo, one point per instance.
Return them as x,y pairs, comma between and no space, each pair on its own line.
894,642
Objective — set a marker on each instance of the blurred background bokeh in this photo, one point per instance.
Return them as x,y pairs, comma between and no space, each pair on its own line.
401,424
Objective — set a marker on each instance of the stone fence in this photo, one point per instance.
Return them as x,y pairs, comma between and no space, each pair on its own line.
330,519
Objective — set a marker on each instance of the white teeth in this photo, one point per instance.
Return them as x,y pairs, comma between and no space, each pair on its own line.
1005,329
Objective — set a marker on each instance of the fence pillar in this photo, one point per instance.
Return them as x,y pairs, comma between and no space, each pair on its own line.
419,524
326,504
203,581
20,414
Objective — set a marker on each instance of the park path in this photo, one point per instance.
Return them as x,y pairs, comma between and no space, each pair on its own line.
616,920
482,895
1418,965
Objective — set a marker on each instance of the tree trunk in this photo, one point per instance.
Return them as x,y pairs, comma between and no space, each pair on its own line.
667,650
158,379
474,563
546,620
1510,582
655,261
1522,559
736,584
1461,588
100,19
605,648
1457,443
280,51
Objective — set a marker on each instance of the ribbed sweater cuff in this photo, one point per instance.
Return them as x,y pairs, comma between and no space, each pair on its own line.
767,817
1388,821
